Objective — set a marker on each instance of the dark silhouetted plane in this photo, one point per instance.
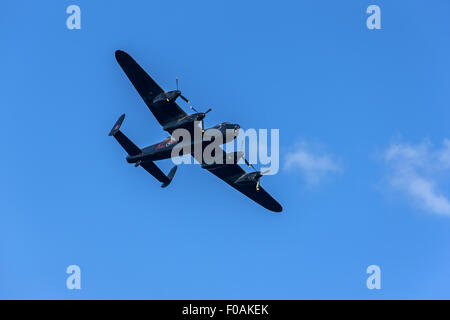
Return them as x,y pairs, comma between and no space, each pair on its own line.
171,117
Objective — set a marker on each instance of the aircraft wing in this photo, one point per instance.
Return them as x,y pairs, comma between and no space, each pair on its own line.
230,172
148,89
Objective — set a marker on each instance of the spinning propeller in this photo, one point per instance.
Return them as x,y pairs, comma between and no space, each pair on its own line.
258,174
200,115
181,96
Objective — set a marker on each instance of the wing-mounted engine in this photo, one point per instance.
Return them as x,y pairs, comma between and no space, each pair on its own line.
229,158
233,158
250,178
167,97
184,122
171,96
187,122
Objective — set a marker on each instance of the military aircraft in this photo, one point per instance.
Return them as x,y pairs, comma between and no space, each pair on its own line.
171,117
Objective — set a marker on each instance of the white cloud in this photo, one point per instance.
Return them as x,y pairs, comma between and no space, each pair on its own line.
312,165
416,170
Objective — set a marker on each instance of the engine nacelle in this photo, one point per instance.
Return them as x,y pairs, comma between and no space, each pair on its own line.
228,130
229,158
186,122
166,97
252,177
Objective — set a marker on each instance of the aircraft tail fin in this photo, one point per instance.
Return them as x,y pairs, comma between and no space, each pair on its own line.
153,169
170,177
133,150
126,143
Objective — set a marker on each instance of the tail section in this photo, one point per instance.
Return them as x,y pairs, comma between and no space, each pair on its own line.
117,125
170,177
126,143
133,150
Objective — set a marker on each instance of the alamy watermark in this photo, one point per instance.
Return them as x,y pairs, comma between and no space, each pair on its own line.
74,280
374,280
374,20
74,20
205,147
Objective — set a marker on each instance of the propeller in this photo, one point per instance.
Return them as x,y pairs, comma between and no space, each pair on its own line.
258,178
201,116
181,96
258,174
245,160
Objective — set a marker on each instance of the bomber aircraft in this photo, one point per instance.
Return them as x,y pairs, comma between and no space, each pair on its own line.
171,117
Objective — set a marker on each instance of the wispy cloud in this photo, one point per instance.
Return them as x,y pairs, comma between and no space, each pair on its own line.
416,170
313,165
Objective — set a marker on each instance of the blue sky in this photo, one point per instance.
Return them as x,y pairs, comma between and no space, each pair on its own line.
372,104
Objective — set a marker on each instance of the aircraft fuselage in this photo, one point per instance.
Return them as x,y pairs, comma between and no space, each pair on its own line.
163,150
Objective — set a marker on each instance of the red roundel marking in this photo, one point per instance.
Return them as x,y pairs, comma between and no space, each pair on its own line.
117,127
